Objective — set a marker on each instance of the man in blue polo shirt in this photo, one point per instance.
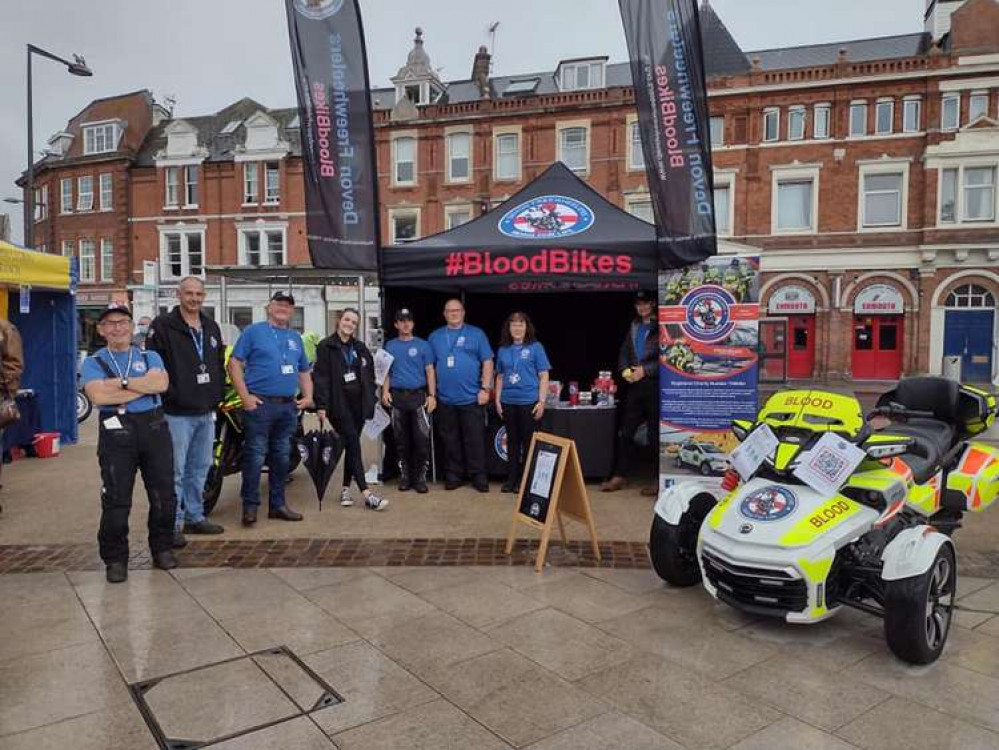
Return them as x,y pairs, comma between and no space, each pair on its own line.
268,368
464,362
410,391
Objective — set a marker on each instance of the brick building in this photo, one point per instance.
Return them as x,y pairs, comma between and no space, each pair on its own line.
864,172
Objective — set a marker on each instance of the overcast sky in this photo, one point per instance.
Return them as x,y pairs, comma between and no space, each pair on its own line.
209,53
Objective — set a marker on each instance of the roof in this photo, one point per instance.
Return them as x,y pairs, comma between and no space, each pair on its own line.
722,54
857,50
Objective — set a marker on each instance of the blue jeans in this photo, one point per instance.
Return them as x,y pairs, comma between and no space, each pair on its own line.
192,439
267,434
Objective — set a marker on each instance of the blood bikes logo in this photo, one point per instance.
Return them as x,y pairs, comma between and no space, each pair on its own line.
547,217
769,504
708,316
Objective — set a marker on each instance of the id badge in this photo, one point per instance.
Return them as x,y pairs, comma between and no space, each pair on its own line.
349,377
287,369
450,361
204,378
112,423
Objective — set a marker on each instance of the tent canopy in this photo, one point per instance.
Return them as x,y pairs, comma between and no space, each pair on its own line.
556,234
20,267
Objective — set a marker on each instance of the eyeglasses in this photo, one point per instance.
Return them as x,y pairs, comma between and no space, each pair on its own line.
116,323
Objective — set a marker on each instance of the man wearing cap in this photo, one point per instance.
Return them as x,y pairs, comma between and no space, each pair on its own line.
410,391
125,383
638,364
268,368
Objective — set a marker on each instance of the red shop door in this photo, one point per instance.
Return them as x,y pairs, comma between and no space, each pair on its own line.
773,352
801,346
877,347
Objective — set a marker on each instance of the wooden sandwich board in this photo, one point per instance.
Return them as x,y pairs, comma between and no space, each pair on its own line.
552,487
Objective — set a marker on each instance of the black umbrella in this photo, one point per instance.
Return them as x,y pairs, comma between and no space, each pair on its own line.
321,451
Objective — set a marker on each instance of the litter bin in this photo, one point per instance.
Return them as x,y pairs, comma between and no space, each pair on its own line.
952,367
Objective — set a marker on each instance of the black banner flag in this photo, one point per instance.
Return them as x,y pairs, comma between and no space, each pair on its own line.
667,69
341,179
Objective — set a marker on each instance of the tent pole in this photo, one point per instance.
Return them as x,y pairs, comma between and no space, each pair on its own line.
361,308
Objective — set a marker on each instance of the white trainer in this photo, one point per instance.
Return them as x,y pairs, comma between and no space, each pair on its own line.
345,498
375,502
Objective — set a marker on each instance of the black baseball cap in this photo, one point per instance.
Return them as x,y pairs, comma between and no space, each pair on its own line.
282,297
645,296
115,307
403,313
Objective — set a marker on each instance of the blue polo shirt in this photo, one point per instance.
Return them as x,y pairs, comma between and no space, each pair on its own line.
459,354
142,363
272,358
409,366
521,366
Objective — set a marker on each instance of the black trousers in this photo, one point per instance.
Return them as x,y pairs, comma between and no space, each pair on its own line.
349,426
463,432
411,428
520,426
142,443
641,404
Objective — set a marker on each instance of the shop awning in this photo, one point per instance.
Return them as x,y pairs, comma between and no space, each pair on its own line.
20,267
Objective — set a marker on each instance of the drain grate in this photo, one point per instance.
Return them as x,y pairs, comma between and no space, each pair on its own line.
217,702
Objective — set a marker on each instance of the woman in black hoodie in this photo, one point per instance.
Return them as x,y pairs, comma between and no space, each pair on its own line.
344,378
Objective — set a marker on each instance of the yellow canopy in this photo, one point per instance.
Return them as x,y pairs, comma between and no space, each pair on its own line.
20,267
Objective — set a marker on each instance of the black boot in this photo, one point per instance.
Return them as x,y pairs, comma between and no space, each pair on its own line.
420,480
404,484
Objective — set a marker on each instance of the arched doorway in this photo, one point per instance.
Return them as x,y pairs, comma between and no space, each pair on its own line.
878,333
969,330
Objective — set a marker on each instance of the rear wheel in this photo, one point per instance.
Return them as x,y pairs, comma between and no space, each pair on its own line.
918,610
83,406
673,547
213,488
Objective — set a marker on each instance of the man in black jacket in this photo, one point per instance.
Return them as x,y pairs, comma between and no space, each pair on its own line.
190,344
638,363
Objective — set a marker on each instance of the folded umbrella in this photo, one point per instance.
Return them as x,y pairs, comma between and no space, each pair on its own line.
321,451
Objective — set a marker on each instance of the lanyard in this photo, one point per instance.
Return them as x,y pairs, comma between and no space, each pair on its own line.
349,354
450,343
517,352
128,367
282,352
199,345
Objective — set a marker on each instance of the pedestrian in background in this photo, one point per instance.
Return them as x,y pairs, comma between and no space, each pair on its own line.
345,394
142,331
125,383
190,345
11,365
268,368
522,368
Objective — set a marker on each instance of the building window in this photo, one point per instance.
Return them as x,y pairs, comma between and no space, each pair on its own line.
884,116
980,194
508,156
950,112
88,261
971,295
191,186
66,200
459,152
455,216
717,131
771,124
85,194
641,207
272,182
948,196
978,106
241,317
40,204
912,115
68,248
172,186
182,254
858,119
404,225
636,158
99,139
796,124
262,247
251,183
723,208
795,198
582,75
404,159
882,199
106,192
823,114
572,149
107,261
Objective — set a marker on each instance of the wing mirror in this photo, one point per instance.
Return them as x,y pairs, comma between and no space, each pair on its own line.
741,428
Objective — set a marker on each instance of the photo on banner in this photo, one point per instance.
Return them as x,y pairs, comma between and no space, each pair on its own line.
708,363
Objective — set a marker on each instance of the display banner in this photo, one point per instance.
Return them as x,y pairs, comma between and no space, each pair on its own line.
331,76
708,362
667,70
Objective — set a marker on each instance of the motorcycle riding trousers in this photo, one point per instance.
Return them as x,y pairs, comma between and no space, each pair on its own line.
411,428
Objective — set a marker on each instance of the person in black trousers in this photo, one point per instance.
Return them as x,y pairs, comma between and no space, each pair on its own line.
344,379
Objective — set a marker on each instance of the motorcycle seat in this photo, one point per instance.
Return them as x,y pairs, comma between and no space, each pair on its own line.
932,439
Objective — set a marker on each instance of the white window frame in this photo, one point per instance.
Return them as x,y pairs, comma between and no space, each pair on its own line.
963,191
562,127
449,139
66,206
979,95
261,229
498,134
68,248
827,108
109,132
908,103
396,138
883,167
107,260
188,185
635,156
640,199
792,113
88,262
272,197
171,187
960,220
795,173
768,113
726,179
857,104
403,211
185,231
106,187
40,204
944,101
251,183
453,210
569,75
879,106
711,131
85,198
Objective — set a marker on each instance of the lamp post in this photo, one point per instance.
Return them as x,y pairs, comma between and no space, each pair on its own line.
78,68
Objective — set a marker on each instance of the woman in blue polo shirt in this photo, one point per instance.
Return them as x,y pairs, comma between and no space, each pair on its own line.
521,387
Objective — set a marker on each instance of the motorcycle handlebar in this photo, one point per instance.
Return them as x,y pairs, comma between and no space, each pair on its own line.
900,411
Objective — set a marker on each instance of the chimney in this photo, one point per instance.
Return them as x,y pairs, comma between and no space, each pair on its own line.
936,20
480,71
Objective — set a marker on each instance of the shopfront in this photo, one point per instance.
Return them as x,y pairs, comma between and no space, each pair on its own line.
878,333
795,306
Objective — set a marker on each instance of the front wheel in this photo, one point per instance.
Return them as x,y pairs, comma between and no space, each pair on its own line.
918,610
673,547
213,488
83,406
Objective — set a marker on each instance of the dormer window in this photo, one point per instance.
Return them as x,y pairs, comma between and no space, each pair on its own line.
579,75
100,138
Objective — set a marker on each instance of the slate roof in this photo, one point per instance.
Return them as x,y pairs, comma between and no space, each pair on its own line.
858,50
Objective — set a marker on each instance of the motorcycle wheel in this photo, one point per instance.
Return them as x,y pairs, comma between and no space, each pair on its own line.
213,488
919,610
83,407
673,548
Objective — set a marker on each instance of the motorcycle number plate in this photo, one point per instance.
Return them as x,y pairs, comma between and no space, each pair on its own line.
287,369
204,378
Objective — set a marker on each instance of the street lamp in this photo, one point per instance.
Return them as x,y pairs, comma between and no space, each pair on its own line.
14,201
77,67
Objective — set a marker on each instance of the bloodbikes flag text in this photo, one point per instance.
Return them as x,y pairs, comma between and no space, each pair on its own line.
667,68
331,77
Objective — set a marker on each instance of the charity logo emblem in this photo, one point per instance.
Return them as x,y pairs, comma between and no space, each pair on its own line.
460,341
412,352
499,444
708,316
547,216
769,504
292,345
318,9
525,353
139,366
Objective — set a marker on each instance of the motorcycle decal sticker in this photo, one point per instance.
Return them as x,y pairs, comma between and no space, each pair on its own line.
547,217
769,504
829,513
